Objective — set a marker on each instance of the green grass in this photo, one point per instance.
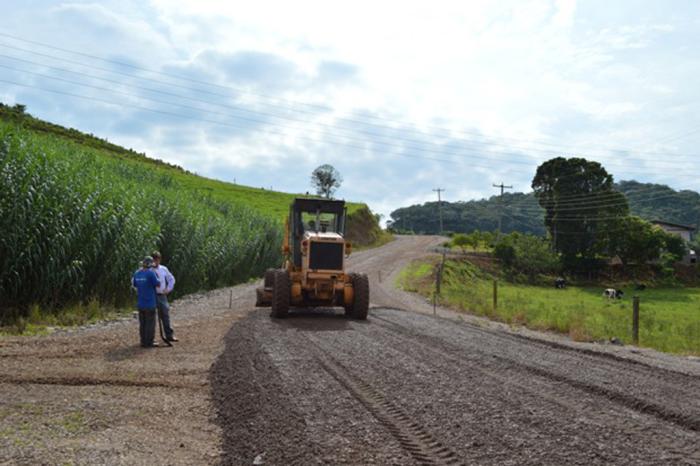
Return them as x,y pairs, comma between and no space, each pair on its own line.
669,317
40,321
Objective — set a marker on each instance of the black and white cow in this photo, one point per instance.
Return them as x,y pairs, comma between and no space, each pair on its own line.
612,293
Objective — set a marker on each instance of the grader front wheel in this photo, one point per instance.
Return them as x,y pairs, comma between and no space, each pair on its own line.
280,294
360,306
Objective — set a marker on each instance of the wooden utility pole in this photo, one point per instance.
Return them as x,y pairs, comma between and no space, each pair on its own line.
438,191
500,205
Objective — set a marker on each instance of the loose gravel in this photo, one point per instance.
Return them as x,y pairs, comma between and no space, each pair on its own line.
402,388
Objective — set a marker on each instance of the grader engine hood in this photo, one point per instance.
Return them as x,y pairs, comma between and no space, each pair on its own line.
323,251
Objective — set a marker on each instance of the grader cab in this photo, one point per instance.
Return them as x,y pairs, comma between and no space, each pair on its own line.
313,274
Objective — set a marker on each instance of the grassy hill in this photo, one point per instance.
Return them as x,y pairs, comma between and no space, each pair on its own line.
78,212
274,204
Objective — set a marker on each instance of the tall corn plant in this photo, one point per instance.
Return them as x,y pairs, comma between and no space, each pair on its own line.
75,225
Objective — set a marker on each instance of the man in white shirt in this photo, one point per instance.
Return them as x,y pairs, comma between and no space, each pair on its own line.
167,283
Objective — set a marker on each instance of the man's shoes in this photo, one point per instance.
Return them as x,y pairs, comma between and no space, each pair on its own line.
172,338
152,345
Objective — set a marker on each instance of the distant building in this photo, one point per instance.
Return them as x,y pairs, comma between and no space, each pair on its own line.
684,231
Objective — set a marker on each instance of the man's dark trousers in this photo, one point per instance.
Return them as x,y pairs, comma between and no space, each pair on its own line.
164,313
147,326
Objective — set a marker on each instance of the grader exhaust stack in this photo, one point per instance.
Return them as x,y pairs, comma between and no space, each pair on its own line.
313,273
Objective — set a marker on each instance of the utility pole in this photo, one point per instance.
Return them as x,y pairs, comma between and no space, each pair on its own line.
439,190
500,203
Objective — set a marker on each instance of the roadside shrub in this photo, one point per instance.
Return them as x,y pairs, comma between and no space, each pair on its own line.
527,255
505,252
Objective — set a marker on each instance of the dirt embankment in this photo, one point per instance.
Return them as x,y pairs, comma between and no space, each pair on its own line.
363,228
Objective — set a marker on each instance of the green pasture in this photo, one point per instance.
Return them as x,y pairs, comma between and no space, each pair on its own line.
669,317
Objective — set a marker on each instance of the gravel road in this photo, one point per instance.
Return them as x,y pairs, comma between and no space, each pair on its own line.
404,387
409,388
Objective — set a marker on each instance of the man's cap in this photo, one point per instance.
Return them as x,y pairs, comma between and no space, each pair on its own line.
156,255
147,261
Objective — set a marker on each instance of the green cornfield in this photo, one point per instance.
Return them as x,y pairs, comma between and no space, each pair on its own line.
75,223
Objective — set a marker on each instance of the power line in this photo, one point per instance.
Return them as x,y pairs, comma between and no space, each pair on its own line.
188,117
255,120
240,109
247,91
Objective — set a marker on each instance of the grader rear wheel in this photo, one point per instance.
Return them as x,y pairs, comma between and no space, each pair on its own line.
280,294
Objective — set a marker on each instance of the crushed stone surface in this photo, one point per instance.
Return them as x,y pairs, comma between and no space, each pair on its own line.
404,387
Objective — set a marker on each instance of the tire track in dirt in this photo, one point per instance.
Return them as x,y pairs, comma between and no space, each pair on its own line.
74,381
423,446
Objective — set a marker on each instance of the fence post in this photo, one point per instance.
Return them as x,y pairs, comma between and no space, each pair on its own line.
495,294
635,320
438,283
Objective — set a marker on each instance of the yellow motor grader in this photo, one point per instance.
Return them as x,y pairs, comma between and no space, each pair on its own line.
313,274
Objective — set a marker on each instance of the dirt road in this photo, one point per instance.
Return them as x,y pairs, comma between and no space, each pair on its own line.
400,388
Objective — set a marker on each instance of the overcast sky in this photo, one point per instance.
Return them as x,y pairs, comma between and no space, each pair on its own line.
401,97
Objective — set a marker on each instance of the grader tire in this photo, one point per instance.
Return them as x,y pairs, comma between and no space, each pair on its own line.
269,278
280,294
360,306
348,306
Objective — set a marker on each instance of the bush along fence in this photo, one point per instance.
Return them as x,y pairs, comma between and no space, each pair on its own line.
74,225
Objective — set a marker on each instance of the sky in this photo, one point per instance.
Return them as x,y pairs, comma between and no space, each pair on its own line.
400,97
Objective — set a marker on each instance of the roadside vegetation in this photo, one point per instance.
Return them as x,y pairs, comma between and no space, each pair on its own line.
76,224
668,315
591,242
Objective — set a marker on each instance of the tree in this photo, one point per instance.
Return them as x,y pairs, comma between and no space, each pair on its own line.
505,252
674,245
19,109
580,205
636,241
326,179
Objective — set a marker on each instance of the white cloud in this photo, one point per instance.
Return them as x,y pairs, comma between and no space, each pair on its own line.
492,87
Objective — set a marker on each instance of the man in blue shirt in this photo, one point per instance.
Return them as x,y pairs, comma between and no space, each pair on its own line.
145,281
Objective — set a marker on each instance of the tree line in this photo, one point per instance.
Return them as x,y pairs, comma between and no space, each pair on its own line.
522,212
578,220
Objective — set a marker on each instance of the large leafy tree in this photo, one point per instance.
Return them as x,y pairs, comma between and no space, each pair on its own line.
325,180
581,206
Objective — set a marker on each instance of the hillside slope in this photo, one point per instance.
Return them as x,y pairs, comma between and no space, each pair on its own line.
271,203
77,213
